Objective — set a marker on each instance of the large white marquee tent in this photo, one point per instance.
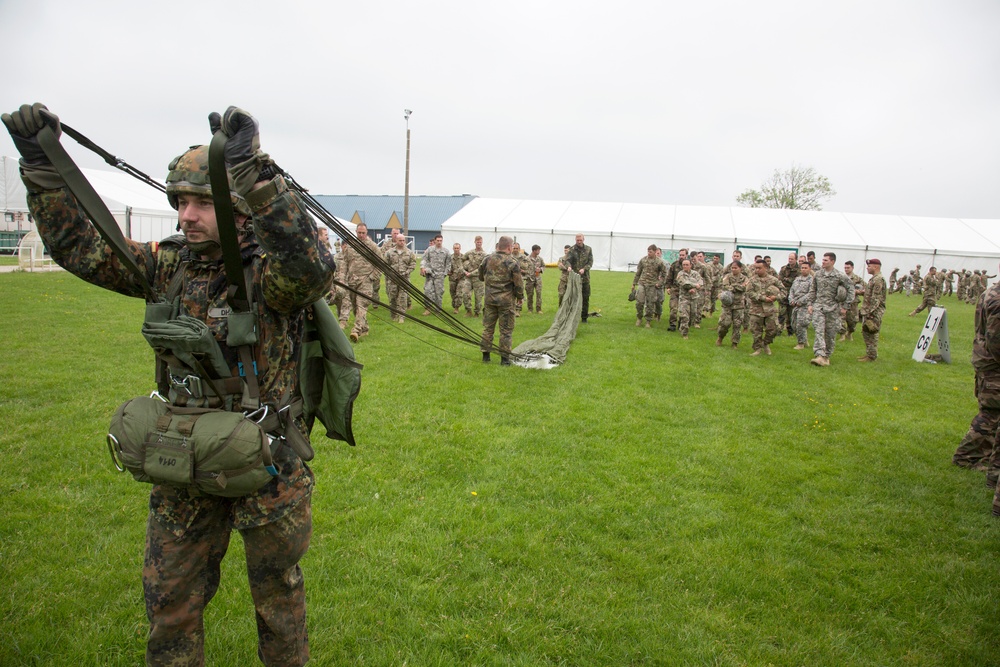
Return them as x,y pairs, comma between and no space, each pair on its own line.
619,233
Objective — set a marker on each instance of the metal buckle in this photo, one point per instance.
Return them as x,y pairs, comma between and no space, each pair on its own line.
114,445
189,385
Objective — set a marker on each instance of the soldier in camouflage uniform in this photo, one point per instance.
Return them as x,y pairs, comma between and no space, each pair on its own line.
931,291
533,287
187,535
580,259
850,321
661,293
787,275
675,270
434,266
403,261
525,265
563,265
705,290
872,310
650,274
799,300
718,273
457,278
357,272
504,289
830,292
689,283
732,314
473,260
764,292
893,281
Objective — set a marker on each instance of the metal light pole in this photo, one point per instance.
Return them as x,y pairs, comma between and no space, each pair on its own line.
406,189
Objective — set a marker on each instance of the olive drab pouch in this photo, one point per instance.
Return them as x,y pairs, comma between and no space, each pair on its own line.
214,452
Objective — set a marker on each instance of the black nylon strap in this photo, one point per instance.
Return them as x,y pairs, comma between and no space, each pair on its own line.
93,206
226,220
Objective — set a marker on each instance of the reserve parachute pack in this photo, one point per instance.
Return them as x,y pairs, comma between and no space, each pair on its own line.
204,429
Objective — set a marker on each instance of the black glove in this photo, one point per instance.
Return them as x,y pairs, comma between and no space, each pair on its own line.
24,124
243,132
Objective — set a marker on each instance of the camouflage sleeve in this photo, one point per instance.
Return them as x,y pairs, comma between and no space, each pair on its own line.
297,268
517,280
638,271
75,244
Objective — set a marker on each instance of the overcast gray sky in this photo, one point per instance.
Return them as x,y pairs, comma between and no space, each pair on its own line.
897,102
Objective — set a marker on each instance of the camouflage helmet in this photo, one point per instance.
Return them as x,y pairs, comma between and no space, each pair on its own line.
189,174
726,298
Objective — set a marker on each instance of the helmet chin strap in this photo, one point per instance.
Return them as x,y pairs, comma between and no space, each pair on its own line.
204,247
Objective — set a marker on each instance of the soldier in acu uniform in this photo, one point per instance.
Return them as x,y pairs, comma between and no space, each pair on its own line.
358,273
436,264
735,285
473,260
764,292
650,274
931,291
830,292
501,274
799,300
689,284
187,535
457,277
403,261
533,291
872,310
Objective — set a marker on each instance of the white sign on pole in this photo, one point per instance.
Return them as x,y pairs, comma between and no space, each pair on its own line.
936,323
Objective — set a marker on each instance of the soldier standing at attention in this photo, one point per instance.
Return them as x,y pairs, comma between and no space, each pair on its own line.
763,292
563,273
501,274
799,300
580,259
456,277
534,289
473,260
735,286
403,260
872,310
850,322
829,294
649,276
187,534
434,266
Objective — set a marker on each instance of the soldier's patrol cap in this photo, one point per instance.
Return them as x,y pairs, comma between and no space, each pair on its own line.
874,261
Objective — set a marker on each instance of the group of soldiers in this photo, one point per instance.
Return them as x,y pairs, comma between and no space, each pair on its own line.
758,298
970,284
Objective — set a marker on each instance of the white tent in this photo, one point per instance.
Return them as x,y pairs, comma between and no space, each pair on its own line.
619,233
141,210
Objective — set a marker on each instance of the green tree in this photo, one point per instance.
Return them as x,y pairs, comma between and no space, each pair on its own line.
798,187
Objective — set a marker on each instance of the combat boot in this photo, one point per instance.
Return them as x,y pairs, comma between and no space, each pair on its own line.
755,353
638,321
912,313
800,346
505,361
865,359
486,357
848,336
767,350
648,325
718,342
354,337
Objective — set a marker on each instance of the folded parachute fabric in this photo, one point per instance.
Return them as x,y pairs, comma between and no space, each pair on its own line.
550,349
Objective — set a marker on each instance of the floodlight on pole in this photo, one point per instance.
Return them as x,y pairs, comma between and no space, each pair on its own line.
406,188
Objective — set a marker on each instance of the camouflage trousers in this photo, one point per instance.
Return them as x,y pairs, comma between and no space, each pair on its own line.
849,323
732,318
494,313
926,303
800,324
764,327
826,325
674,305
786,315
870,332
687,307
562,286
979,444
645,301
659,302
398,300
434,289
181,575
359,304
478,288
533,294
713,296
459,292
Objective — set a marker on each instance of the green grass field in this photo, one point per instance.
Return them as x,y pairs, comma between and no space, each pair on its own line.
654,501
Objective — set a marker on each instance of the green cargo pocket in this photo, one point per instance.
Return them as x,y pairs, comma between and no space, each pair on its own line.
169,464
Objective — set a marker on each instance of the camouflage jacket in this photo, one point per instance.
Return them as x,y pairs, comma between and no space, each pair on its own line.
502,275
738,285
798,294
436,262
853,298
761,288
825,287
688,280
932,286
707,275
289,268
402,260
986,344
354,269
581,257
875,291
537,267
473,260
650,271
788,274
456,272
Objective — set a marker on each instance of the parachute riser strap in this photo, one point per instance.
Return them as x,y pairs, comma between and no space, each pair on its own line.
93,206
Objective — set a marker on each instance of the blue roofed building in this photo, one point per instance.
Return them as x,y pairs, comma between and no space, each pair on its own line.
382,213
